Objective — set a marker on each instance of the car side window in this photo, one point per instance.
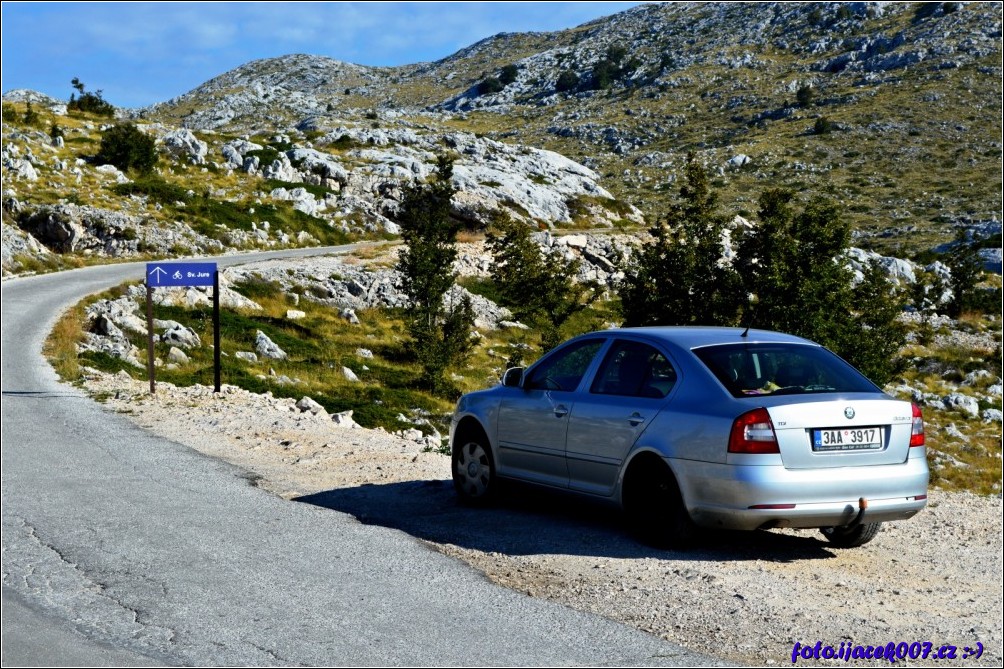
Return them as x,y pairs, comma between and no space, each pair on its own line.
564,369
634,369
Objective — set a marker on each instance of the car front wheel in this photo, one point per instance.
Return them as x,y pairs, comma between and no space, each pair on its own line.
851,537
473,472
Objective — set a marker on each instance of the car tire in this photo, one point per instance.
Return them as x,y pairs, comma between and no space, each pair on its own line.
656,511
851,537
474,472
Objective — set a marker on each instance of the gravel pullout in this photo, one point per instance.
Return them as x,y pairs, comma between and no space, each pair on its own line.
744,597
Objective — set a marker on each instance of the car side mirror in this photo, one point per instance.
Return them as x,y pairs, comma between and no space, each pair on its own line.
513,377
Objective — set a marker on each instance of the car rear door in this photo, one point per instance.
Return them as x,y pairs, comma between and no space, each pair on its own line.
631,385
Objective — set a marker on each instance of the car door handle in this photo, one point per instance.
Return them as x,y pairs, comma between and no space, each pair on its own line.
560,411
635,419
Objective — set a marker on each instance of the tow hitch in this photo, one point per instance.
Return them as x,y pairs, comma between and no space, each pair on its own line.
858,519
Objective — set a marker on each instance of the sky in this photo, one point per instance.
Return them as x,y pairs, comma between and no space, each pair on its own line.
141,53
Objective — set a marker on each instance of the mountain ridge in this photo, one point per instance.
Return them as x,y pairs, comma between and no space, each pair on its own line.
890,109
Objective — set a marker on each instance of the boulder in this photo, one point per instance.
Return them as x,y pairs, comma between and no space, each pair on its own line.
177,356
964,403
184,145
179,335
344,419
737,161
267,348
307,404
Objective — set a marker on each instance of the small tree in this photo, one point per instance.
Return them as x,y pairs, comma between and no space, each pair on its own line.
795,268
89,102
440,333
507,74
567,81
679,278
126,147
540,289
967,272
822,126
31,116
806,95
604,73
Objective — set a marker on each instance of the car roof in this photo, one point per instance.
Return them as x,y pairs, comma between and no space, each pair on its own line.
690,337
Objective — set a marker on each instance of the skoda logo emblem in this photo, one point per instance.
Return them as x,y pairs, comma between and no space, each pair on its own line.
849,413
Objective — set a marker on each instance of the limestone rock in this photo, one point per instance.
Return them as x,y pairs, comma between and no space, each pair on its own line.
267,348
184,145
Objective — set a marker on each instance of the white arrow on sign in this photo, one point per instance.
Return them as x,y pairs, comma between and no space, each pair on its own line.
158,271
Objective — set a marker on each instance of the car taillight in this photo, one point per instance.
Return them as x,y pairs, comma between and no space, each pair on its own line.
753,432
917,432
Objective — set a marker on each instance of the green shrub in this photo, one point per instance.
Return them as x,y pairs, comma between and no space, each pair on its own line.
567,81
10,114
265,156
91,103
806,95
507,75
345,142
489,85
128,148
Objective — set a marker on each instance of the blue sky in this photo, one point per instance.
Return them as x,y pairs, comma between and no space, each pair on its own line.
143,53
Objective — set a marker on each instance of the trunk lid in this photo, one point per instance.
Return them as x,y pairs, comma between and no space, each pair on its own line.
844,432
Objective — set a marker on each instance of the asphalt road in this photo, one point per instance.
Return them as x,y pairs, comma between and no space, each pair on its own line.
121,548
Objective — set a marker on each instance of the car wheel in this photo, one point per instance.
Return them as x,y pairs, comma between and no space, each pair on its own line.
473,472
851,537
655,509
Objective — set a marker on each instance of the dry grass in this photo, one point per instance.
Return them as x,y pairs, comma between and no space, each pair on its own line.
61,346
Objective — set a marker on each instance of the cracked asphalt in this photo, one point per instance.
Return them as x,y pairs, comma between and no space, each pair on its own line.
123,548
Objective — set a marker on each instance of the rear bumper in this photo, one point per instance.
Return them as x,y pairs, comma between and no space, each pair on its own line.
723,496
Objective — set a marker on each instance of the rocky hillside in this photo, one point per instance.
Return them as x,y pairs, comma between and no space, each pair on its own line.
894,109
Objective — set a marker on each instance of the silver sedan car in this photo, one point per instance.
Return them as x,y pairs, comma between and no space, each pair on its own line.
687,427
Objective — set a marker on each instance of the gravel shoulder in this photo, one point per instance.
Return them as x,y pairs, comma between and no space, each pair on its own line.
744,597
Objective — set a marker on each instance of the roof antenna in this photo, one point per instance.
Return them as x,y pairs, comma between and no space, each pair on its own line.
752,314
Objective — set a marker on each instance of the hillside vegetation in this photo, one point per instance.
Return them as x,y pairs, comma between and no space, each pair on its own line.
891,112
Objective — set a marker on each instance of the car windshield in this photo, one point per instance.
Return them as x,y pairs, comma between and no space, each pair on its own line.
749,370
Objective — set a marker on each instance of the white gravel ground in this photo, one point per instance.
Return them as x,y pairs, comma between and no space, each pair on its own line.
745,597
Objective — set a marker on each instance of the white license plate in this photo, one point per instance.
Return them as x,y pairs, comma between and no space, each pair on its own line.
847,439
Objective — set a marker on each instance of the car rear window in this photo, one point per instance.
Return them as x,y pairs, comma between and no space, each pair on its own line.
755,370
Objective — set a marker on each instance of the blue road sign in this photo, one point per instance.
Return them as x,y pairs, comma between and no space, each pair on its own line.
168,275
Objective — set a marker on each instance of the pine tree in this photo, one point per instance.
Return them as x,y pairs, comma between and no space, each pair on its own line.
967,272
440,333
679,278
89,102
540,289
794,266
